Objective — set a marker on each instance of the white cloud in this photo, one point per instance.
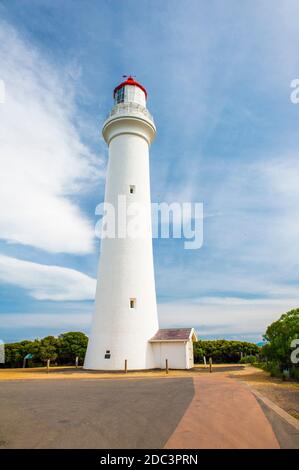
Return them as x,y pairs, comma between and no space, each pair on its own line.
232,317
28,321
19,326
225,316
45,282
43,161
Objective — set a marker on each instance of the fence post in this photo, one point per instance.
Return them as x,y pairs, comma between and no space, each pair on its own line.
77,361
166,366
210,362
126,366
48,365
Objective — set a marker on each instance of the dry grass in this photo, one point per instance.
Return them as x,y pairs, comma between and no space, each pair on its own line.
283,394
79,373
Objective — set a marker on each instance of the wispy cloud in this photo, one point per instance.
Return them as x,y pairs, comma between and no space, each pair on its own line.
45,282
227,316
17,326
43,160
43,320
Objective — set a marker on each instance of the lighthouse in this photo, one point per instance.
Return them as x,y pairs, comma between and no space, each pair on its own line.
125,315
125,333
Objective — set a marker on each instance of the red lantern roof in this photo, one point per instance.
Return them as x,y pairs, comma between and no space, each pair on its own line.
130,81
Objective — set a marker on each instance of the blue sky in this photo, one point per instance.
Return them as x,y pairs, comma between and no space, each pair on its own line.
218,76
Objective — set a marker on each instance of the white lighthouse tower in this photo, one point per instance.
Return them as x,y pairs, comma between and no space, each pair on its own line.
125,316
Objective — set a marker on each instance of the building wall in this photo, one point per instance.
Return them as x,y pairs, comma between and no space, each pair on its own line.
177,354
189,354
126,266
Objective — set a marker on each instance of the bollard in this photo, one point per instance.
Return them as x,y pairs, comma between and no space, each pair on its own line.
210,362
166,366
126,366
48,365
77,361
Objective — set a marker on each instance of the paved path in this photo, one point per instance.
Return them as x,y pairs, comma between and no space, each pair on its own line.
206,411
223,415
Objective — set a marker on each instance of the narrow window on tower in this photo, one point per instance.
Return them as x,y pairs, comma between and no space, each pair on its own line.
120,95
132,189
132,303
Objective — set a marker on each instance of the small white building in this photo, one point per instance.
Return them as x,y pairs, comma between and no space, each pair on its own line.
175,345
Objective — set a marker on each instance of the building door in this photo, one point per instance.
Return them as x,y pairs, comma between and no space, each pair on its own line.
190,354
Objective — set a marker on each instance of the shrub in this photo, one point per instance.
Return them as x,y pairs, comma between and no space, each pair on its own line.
248,360
223,351
294,373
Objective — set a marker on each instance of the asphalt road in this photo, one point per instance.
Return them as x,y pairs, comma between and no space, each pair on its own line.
91,413
207,411
287,436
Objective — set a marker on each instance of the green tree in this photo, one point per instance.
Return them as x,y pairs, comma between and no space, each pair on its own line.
224,351
13,355
72,344
48,349
32,347
279,336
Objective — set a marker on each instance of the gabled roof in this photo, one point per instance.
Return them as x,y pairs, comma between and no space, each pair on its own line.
174,334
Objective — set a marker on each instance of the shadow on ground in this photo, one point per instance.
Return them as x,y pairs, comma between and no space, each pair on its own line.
218,369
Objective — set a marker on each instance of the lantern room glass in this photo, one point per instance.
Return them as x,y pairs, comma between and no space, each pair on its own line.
130,94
